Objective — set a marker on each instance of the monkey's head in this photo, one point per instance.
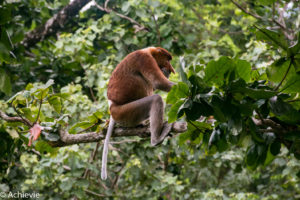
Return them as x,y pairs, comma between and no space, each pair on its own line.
163,58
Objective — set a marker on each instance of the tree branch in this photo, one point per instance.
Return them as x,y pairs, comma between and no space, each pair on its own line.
268,122
156,27
15,119
54,24
108,10
282,25
141,131
246,11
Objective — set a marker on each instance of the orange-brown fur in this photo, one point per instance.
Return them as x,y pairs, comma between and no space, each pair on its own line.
131,98
138,74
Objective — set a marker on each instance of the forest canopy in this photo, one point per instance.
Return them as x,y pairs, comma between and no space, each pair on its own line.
235,105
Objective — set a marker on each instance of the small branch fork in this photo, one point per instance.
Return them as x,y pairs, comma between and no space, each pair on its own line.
108,10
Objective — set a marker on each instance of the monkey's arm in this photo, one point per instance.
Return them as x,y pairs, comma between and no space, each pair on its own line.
151,71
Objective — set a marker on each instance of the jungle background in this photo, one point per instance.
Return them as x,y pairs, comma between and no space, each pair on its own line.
238,84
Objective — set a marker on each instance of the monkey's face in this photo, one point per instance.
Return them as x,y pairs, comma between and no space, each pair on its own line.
163,58
166,68
166,72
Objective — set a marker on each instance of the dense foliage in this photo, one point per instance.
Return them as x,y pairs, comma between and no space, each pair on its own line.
238,85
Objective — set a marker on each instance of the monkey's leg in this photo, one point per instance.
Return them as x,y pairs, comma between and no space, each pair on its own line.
158,129
133,113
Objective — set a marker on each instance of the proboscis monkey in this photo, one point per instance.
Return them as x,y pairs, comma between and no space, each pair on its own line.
130,94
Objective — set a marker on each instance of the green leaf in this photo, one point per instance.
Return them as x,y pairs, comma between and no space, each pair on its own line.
66,184
125,6
172,96
252,156
198,85
284,111
4,54
44,147
29,114
5,15
178,91
49,83
153,3
270,157
296,64
277,69
41,93
262,150
275,148
277,39
218,105
51,136
266,2
5,84
240,87
215,70
6,40
292,136
55,102
83,125
172,114
182,90
292,85
243,69
17,36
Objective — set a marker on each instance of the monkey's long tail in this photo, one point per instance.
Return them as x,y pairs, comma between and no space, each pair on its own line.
105,148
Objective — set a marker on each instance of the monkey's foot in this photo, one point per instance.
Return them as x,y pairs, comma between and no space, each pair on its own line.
165,132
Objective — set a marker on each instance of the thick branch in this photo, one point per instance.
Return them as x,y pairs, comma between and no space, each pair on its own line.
141,131
55,23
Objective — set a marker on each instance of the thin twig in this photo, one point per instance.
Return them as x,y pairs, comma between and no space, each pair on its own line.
127,141
95,194
91,160
117,178
108,10
92,94
92,126
259,115
194,125
246,11
101,183
156,27
38,115
273,18
267,130
293,100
